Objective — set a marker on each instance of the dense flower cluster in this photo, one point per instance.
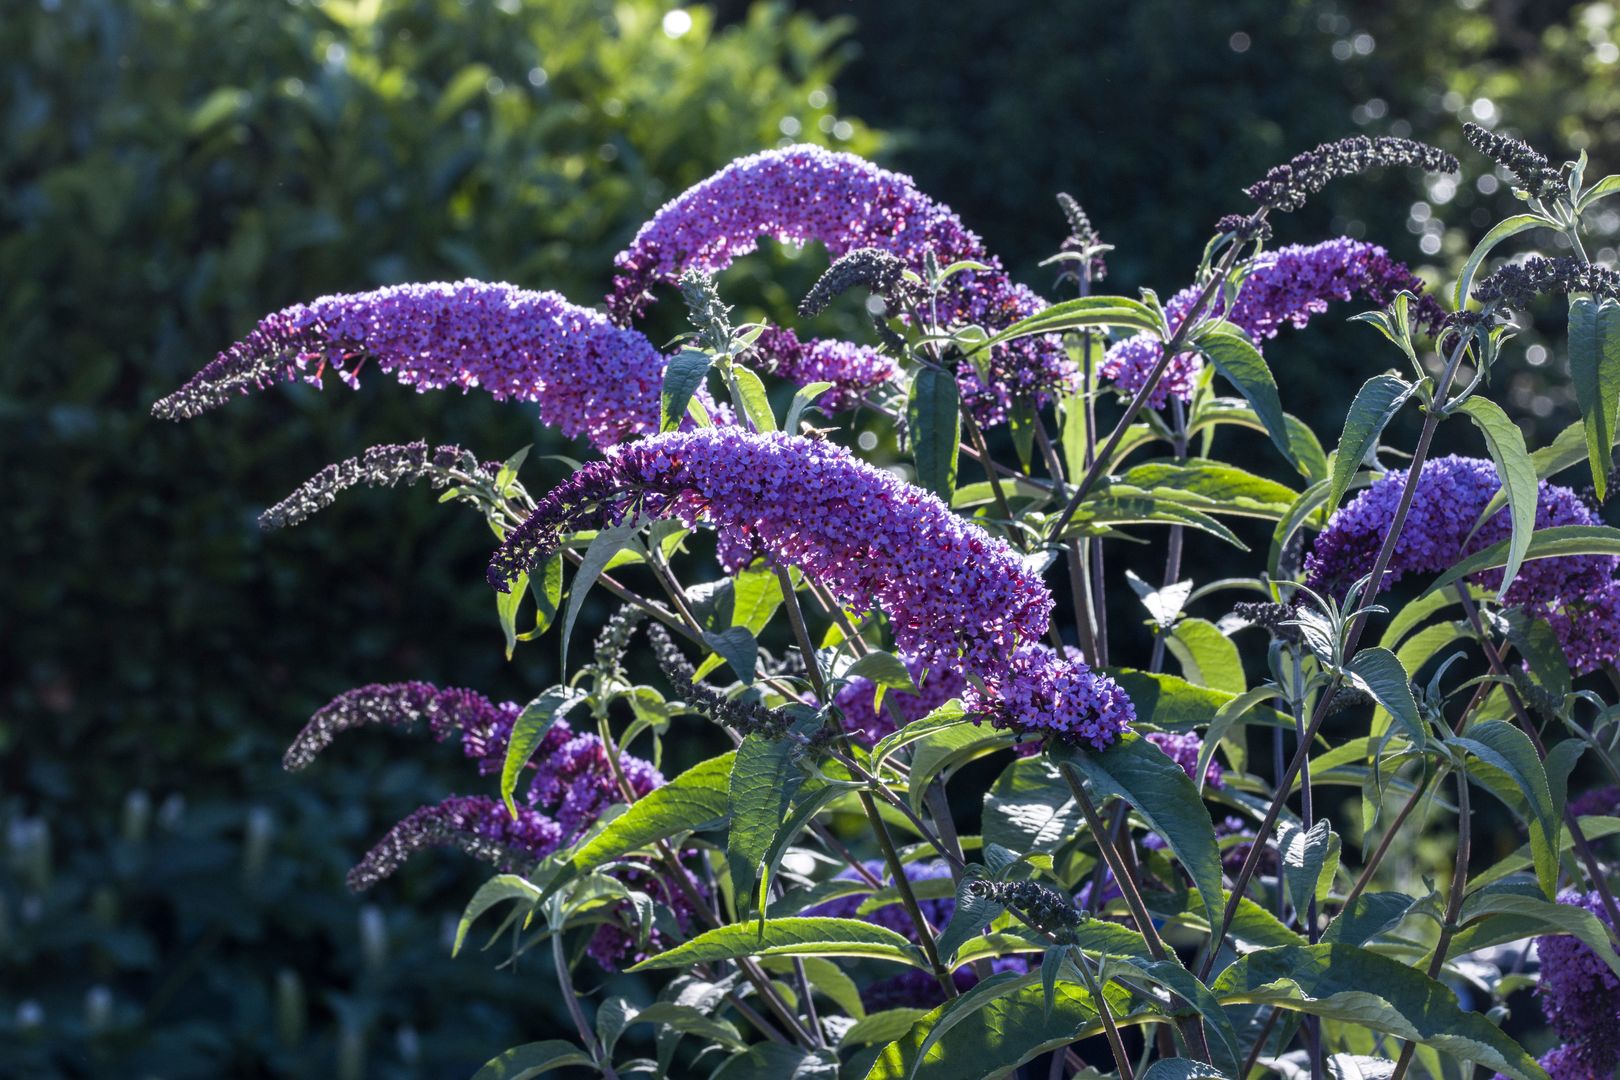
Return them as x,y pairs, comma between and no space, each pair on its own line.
585,375
576,782
1516,284
880,272
805,194
1183,748
936,685
1580,997
872,539
1575,593
380,466
479,826
1041,906
1289,186
1534,175
854,370
1285,287
1041,693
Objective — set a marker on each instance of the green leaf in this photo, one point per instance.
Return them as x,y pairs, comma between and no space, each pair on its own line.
779,1061
1182,1069
1600,190
1553,918
756,402
1375,404
547,590
603,546
1213,486
965,1005
1309,460
698,798
994,1040
798,936
1499,232
1379,672
1544,544
1207,656
881,1027
1369,916
1092,311
1227,717
946,748
683,376
1303,856
1594,370
947,715
1357,986
1174,704
973,912
497,890
756,595
1119,504
506,610
882,669
528,730
1176,978
532,1059
765,776
801,401
1236,358
737,645
1505,747
1140,773
1030,808
825,976
1595,828
934,419
1506,444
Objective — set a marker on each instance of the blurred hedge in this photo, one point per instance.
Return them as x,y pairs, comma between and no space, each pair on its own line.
170,170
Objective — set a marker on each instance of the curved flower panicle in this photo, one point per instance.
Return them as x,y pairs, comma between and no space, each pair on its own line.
484,727
805,194
1059,698
1288,186
380,466
1452,493
479,826
1183,748
854,370
585,375
947,586
1284,287
936,685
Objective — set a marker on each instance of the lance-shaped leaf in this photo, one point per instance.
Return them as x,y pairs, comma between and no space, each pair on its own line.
934,421
994,1040
1030,808
603,546
983,993
764,779
533,1059
1236,358
1087,311
947,715
1518,475
1594,371
973,912
1375,404
1143,775
1213,486
698,798
1507,749
1511,898
750,396
1499,232
1550,543
1360,987
1379,672
1207,656
797,936
682,378
1304,854
537,718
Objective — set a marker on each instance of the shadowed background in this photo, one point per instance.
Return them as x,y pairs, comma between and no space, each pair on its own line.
171,903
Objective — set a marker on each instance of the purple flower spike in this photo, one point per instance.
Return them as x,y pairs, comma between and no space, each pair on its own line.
1580,997
473,824
1183,749
585,375
937,685
804,194
1452,493
947,586
1286,287
1060,698
484,727
852,369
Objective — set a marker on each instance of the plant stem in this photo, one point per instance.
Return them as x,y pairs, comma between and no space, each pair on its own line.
1116,1045
1172,558
571,1000
1454,901
1352,637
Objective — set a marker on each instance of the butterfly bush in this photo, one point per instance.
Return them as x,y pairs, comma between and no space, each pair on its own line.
584,375
769,592
804,194
1286,287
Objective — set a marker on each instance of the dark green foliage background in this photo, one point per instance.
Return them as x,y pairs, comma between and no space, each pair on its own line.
169,171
